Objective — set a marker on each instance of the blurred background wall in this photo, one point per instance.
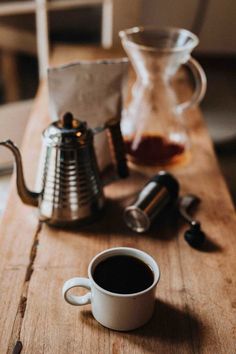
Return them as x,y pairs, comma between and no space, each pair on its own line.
212,20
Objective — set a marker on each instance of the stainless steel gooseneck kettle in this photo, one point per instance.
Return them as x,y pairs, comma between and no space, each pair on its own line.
72,189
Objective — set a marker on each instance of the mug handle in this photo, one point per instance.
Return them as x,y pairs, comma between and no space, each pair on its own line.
73,299
201,84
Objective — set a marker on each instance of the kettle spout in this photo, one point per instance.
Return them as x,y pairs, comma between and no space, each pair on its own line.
27,197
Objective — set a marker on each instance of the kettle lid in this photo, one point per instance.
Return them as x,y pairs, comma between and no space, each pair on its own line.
67,130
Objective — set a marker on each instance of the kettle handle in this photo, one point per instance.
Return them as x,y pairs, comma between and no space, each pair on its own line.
117,147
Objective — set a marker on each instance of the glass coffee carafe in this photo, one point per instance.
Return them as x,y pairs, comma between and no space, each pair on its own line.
153,123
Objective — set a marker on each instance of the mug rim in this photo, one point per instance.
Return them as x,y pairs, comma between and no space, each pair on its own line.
139,29
113,251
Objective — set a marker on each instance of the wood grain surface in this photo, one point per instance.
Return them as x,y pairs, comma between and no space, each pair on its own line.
195,299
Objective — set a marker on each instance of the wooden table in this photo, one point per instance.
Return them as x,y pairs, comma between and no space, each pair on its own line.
196,299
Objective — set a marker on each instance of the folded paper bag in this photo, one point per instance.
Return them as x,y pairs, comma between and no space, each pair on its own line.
92,92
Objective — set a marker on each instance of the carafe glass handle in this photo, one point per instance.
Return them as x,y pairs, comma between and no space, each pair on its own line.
200,86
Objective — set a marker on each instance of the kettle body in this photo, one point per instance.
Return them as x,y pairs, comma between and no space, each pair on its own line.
71,190
71,187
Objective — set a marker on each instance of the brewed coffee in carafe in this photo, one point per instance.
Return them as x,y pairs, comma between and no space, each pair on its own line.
153,124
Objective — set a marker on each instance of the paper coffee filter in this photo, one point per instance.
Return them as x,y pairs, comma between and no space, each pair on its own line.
90,90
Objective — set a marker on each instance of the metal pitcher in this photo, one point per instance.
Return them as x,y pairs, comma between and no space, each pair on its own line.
72,188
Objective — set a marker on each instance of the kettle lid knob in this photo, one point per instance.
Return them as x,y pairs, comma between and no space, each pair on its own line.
67,120
66,131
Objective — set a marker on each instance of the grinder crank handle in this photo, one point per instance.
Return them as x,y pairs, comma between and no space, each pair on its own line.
194,235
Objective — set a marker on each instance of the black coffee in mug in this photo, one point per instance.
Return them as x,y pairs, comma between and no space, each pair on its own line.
123,274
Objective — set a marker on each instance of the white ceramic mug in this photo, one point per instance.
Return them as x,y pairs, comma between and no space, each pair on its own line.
122,312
